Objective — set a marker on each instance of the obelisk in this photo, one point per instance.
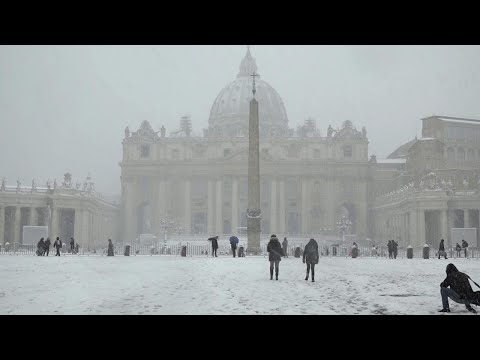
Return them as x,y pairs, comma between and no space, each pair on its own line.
254,214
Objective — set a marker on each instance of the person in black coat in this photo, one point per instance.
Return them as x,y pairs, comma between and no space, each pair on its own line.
460,289
214,241
285,246
58,245
394,249
441,249
47,246
458,248
310,257
275,253
465,246
110,248
233,244
72,245
389,246
41,247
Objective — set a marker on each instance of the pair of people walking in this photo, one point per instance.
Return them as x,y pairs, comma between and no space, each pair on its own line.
276,252
392,246
43,247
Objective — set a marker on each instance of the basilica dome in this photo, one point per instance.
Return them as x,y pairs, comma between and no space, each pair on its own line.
230,112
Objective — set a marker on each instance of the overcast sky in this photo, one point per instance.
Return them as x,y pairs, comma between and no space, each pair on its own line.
64,108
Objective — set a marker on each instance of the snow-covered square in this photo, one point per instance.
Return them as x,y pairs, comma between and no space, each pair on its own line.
224,285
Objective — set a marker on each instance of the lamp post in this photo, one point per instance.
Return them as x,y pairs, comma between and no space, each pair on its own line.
344,225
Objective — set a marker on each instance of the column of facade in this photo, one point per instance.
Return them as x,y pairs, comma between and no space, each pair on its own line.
234,204
54,224
466,218
188,207
77,227
444,227
218,207
273,206
421,227
412,226
211,208
32,219
17,222
450,223
2,225
281,207
304,206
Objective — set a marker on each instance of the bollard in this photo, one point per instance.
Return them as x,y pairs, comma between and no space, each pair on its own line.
426,251
127,250
409,252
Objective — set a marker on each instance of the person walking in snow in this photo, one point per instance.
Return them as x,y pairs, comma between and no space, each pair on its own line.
110,248
47,246
58,245
214,241
275,253
460,289
394,249
285,246
389,246
465,247
458,248
441,249
233,244
310,257
41,247
72,245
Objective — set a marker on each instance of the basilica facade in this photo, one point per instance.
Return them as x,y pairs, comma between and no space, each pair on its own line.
308,181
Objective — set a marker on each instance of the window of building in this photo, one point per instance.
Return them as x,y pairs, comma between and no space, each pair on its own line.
461,154
175,154
145,151
450,132
470,155
347,151
292,151
450,154
316,154
291,189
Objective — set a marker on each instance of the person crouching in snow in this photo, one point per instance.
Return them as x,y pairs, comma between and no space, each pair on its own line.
310,256
274,248
460,289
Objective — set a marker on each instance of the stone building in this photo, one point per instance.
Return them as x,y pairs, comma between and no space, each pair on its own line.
68,210
308,181
430,185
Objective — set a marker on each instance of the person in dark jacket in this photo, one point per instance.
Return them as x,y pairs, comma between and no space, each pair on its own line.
465,247
460,289
214,241
285,246
458,248
394,249
72,245
41,247
389,246
275,253
58,245
233,244
47,246
310,257
110,248
441,249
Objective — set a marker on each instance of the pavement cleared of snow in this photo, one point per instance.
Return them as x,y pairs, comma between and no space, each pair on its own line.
223,285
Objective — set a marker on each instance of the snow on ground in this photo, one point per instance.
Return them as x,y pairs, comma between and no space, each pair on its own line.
223,285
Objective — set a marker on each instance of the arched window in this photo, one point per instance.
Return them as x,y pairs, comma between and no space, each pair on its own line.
460,154
450,154
470,155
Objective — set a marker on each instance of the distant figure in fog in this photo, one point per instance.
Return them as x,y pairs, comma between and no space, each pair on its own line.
390,249
214,241
394,249
465,247
441,249
285,246
72,245
458,248
275,253
58,245
41,247
374,251
110,248
233,244
47,246
310,257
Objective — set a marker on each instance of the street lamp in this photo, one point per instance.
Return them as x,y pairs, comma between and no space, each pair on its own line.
344,225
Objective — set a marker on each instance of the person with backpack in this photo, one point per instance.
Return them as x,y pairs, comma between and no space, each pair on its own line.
310,257
275,253
465,247
58,245
441,249
233,244
456,287
214,241
458,248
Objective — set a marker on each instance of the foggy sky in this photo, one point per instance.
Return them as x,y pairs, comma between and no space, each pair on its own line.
64,108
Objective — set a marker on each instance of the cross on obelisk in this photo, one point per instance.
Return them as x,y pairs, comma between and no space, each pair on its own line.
254,214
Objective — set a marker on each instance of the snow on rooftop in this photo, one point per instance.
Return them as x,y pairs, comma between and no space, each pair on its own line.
471,121
391,161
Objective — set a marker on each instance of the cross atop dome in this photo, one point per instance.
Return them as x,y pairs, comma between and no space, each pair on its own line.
248,66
